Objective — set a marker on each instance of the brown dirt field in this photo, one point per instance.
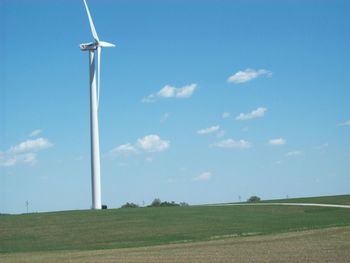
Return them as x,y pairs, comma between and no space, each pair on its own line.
321,246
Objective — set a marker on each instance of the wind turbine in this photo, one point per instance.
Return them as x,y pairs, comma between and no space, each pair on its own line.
94,49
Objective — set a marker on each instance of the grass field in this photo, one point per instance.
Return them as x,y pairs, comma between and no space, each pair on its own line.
321,246
337,199
125,228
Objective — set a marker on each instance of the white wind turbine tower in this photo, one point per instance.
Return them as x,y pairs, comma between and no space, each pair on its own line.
94,49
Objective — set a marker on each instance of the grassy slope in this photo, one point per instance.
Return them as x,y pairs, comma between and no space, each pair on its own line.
321,246
336,199
86,230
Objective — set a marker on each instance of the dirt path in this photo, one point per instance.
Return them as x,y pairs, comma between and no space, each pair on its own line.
321,246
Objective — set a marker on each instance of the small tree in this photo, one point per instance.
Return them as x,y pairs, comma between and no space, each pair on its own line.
156,202
130,205
253,199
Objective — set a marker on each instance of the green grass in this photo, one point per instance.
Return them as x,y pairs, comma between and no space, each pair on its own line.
117,228
336,199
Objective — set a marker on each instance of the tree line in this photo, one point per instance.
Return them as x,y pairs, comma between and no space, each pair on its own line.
158,203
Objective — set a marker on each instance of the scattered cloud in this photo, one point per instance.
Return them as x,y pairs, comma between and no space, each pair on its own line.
125,149
295,153
31,145
209,130
345,123
24,152
258,113
12,160
205,176
225,115
171,92
248,75
278,141
230,143
148,143
35,133
153,143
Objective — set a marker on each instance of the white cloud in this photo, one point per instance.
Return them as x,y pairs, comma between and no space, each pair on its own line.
29,157
205,176
24,152
345,123
152,143
278,141
124,149
31,145
225,115
258,113
247,75
171,92
7,162
12,160
167,92
209,130
148,143
295,153
230,143
186,91
35,133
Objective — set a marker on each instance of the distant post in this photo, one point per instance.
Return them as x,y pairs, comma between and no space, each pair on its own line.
27,205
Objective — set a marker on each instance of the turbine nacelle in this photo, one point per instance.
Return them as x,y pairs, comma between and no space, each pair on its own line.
88,46
95,45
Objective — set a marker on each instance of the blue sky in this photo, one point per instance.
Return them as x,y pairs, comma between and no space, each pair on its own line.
201,101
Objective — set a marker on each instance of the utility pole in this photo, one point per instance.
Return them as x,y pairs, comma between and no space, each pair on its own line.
27,205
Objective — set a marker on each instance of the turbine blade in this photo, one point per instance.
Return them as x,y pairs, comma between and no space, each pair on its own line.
105,44
98,75
93,30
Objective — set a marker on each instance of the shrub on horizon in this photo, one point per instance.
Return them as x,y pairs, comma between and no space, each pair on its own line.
253,199
158,203
129,205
